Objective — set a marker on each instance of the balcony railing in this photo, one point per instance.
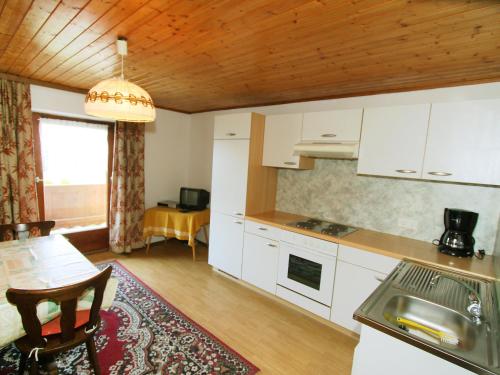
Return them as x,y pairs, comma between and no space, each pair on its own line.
73,206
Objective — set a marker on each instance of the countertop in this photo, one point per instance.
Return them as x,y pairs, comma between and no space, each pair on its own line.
387,244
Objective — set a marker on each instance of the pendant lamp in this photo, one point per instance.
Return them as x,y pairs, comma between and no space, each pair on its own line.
118,99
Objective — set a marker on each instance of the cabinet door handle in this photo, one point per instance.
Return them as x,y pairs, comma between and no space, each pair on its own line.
440,173
405,171
271,245
379,279
238,222
238,214
290,163
329,135
262,228
230,134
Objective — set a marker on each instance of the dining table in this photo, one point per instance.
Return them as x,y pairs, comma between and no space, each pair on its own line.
42,263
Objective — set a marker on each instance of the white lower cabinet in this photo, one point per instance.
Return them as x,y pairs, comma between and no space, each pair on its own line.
252,252
358,274
260,262
226,243
378,353
353,285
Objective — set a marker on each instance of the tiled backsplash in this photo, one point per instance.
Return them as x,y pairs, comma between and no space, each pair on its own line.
408,208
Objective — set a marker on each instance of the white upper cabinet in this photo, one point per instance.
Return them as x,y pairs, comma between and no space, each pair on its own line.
229,176
393,141
463,144
233,126
281,134
332,126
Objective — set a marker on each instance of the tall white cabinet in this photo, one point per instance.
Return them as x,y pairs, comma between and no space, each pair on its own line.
229,187
229,176
240,185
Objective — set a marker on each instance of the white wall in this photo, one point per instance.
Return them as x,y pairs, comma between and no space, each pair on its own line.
166,159
200,158
167,141
57,102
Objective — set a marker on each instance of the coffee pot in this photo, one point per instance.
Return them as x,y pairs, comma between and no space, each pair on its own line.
457,238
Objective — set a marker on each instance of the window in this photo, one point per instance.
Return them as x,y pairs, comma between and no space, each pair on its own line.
73,169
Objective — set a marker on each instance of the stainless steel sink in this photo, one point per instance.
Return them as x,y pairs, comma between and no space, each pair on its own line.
409,294
433,316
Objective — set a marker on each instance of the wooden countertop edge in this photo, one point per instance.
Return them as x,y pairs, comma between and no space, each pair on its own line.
277,219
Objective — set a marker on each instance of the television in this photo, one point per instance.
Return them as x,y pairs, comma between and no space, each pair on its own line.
193,199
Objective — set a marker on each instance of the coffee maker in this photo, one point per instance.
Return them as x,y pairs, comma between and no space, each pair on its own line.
457,238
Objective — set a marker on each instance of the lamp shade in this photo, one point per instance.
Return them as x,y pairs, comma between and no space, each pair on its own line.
121,100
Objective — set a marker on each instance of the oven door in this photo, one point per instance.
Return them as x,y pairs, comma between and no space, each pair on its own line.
306,272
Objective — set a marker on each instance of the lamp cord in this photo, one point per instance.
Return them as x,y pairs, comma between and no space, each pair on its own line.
123,77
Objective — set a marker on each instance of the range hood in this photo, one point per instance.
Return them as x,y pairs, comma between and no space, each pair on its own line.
333,150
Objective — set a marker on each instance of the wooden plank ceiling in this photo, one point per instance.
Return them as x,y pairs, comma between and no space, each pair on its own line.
201,55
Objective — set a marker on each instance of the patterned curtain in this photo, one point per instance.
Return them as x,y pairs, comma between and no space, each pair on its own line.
127,188
18,202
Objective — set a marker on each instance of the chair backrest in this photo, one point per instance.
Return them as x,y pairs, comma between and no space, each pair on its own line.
10,232
26,302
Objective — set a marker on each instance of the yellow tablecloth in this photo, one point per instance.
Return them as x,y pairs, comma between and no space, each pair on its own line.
169,222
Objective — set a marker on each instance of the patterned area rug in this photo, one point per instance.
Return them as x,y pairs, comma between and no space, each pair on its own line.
143,334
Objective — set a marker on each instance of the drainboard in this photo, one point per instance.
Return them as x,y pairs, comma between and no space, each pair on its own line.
416,280
407,294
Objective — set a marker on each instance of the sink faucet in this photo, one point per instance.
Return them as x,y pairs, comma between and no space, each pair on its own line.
474,307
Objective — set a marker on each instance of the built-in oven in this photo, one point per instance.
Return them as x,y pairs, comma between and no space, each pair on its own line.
307,271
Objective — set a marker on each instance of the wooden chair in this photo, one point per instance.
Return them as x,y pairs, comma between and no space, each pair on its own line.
70,329
10,232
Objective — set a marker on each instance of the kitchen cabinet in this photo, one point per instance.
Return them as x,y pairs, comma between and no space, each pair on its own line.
393,141
378,353
240,185
357,275
232,126
229,176
282,132
332,126
260,262
353,285
226,243
263,230
463,143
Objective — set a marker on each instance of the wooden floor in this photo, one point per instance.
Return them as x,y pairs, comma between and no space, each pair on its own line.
275,337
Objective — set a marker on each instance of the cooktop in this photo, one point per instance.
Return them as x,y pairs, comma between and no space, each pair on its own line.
323,227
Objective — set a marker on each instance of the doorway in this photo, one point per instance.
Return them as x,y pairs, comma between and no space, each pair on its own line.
73,160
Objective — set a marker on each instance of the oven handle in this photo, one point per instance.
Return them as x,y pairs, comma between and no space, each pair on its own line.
298,251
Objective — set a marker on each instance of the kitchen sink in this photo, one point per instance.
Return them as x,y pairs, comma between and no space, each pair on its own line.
437,299
433,316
